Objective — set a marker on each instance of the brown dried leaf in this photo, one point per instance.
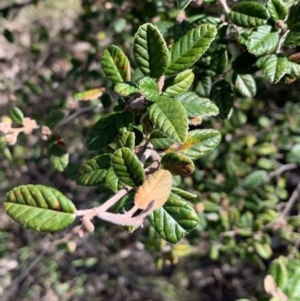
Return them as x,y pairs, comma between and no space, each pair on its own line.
29,125
270,285
157,187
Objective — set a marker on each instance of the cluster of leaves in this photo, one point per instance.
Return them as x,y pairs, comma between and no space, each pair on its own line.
212,67
272,27
282,281
243,188
152,114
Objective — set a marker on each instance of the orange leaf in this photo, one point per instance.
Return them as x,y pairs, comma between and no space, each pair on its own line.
89,94
157,187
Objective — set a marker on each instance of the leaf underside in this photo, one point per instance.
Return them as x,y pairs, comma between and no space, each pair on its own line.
156,187
222,95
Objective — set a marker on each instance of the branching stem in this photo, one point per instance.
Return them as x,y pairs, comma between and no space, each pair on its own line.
227,11
290,202
77,113
125,219
91,213
280,170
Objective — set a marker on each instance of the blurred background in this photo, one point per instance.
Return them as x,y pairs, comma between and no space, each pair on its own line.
50,50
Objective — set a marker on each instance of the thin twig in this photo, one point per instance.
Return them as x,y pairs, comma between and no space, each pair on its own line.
290,202
116,218
23,275
104,207
160,84
77,113
280,170
227,11
282,37
225,6
156,159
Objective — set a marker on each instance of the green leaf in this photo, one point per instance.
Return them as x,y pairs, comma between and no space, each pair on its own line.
121,104
246,221
159,140
38,207
103,133
150,51
277,10
174,220
259,63
254,179
293,285
245,63
57,152
243,37
249,14
294,69
292,39
148,87
106,100
127,167
274,67
53,118
204,20
178,164
115,64
179,84
164,26
262,40
279,272
204,86
170,117
188,49
219,59
182,4
127,88
89,94
222,95
8,35
184,194
93,172
245,85
139,135
293,20
263,250
125,121
214,252
113,181
127,139
16,115
198,143
197,106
